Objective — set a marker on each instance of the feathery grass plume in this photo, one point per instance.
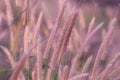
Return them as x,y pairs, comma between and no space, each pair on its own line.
13,63
87,64
82,24
114,72
103,33
109,67
32,16
91,26
81,49
75,38
9,12
116,64
9,55
68,24
32,36
27,7
66,36
54,31
101,49
82,19
10,20
14,32
112,23
36,29
17,37
22,61
82,34
39,55
28,32
20,65
65,73
35,40
47,16
27,38
106,72
77,77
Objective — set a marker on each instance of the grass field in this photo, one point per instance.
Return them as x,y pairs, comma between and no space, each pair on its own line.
59,40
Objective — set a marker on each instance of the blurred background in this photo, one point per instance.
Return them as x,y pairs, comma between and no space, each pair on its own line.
103,10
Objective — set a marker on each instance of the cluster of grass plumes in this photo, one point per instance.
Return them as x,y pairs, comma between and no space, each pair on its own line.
43,50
